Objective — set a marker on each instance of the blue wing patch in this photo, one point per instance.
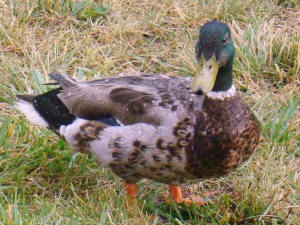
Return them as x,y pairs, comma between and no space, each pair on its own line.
108,121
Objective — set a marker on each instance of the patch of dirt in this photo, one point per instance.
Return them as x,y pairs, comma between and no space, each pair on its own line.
289,18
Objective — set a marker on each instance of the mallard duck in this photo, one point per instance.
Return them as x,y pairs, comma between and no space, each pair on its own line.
168,129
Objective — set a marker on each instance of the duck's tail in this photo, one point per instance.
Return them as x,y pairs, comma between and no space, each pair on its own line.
63,81
45,110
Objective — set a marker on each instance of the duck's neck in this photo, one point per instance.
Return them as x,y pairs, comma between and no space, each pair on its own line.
221,95
224,78
224,87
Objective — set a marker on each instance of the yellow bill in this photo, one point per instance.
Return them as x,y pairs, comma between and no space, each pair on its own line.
205,75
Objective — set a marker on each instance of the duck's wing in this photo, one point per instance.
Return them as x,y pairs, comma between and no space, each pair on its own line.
149,98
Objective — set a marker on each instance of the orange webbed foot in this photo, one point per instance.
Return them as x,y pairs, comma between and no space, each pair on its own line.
175,192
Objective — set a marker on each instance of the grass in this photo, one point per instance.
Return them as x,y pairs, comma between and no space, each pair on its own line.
42,182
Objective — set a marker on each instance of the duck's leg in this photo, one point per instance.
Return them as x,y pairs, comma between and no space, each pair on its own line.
131,192
175,192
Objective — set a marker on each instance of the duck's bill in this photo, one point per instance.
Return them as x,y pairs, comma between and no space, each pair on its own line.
206,74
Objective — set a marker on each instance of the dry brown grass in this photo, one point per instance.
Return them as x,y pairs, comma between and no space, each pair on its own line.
42,183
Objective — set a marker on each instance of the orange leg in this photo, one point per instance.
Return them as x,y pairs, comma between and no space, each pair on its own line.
131,192
175,192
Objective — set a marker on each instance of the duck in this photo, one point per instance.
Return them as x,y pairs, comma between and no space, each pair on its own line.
170,129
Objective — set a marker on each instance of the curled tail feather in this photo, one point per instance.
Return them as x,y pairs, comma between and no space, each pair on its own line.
63,81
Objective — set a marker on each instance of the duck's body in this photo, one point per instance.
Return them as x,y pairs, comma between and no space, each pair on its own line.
170,138
151,126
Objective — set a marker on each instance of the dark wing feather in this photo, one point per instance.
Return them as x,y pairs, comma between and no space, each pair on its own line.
130,99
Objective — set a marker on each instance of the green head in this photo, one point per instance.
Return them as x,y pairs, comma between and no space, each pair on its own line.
214,52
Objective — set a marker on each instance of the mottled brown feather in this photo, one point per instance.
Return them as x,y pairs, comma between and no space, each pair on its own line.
226,135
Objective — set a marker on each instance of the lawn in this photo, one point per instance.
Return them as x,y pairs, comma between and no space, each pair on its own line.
43,182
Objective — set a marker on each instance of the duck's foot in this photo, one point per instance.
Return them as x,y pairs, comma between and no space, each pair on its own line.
175,192
198,200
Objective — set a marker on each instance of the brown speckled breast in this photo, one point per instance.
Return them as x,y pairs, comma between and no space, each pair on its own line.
226,134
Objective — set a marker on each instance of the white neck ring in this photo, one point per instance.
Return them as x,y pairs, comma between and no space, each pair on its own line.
222,94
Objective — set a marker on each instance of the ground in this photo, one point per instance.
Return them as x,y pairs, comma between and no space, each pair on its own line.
42,182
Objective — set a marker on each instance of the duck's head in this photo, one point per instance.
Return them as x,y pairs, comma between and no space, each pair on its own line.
214,52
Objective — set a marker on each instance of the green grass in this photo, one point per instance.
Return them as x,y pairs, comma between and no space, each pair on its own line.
42,182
